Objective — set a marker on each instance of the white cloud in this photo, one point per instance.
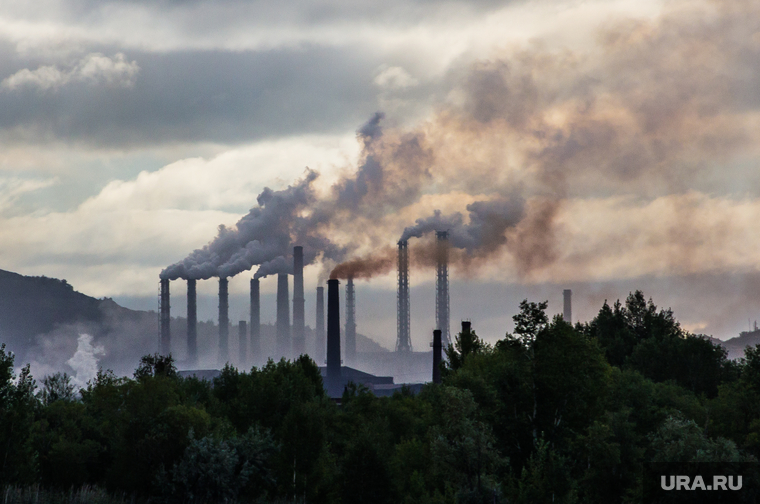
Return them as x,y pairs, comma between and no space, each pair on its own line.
11,188
93,69
117,241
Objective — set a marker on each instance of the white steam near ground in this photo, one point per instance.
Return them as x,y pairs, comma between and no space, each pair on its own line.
85,360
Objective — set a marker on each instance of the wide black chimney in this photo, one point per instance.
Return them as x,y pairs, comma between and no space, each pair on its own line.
334,388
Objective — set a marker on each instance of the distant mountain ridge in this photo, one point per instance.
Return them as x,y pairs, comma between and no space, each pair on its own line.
41,318
736,345
31,305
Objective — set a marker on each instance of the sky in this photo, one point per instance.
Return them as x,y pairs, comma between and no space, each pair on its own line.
603,146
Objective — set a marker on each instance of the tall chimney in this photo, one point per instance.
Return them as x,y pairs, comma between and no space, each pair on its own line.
319,331
243,347
403,339
333,339
255,321
283,317
442,285
437,355
192,323
350,321
224,321
299,339
567,313
165,341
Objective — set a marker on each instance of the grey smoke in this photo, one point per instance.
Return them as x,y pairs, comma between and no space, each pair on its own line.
488,220
266,235
262,237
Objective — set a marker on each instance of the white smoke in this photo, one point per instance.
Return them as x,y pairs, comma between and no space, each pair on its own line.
85,360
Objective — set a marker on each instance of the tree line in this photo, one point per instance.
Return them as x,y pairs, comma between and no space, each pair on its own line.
550,413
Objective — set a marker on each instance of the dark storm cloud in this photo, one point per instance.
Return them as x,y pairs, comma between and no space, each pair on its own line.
191,96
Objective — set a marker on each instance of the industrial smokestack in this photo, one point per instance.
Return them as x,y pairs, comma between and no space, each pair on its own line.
243,346
333,338
567,313
255,321
192,323
319,331
403,338
299,339
350,321
224,321
442,285
437,355
283,317
165,340
466,327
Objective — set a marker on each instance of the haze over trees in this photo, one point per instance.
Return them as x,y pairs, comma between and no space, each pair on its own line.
550,413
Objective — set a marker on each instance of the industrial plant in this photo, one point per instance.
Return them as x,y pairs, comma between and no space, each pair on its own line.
339,364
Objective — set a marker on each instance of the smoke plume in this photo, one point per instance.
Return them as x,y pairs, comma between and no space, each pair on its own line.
649,112
262,237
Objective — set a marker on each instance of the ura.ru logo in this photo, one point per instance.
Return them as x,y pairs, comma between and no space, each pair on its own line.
698,483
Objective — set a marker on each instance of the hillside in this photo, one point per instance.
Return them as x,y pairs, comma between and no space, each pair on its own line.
736,346
36,305
42,320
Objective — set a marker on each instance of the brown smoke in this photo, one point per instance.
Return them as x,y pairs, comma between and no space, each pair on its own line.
379,263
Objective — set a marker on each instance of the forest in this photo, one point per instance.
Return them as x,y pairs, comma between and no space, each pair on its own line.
551,413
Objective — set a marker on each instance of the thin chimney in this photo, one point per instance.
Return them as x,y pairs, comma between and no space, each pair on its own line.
320,350
224,321
283,317
567,313
437,355
333,339
243,347
350,321
442,285
165,341
299,339
192,323
403,338
255,321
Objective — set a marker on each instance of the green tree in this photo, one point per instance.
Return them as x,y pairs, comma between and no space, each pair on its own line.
466,343
681,440
56,387
18,464
218,470
463,449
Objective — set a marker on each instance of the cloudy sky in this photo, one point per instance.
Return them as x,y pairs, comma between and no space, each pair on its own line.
621,135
